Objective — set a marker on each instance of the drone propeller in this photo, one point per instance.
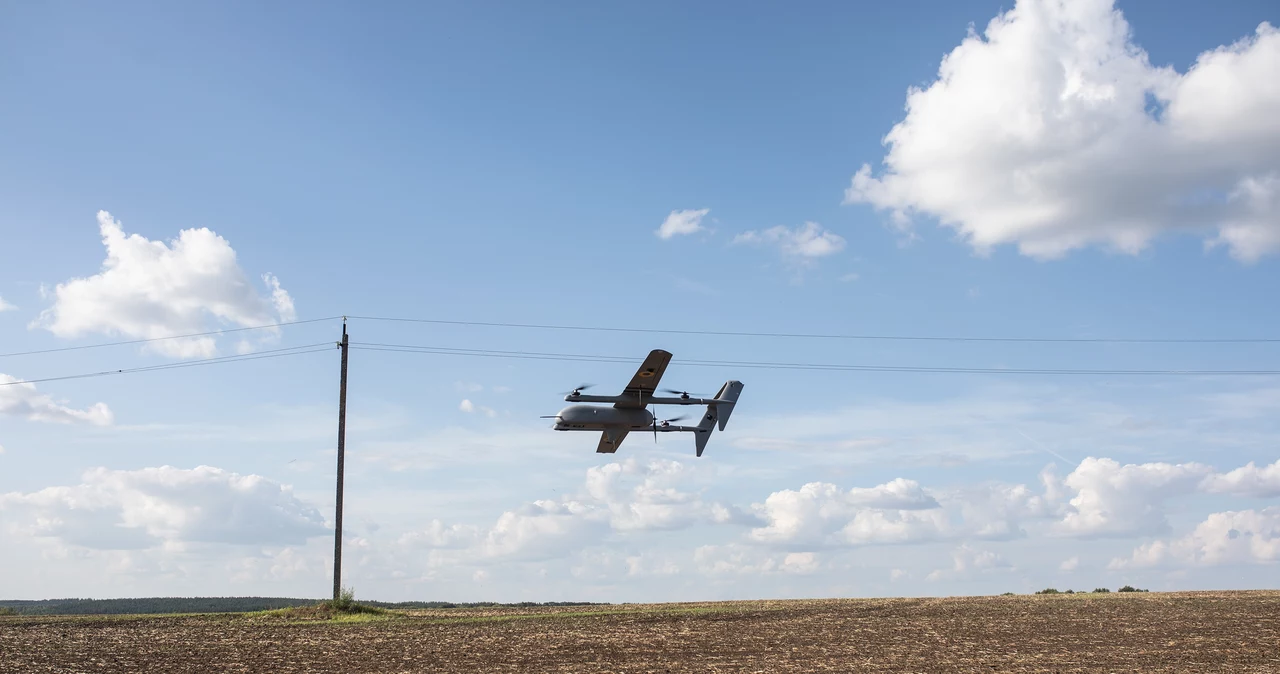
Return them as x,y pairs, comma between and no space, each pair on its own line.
682,394
664,422
578,389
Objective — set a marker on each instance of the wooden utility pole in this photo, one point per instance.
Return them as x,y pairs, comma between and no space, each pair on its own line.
342,441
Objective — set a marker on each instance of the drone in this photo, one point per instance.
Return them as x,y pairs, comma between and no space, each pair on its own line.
629,412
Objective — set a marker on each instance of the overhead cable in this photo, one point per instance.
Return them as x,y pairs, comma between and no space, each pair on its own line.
799,335
274,353
160,339
535,355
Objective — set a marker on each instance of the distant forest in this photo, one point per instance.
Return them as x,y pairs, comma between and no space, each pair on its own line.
215,605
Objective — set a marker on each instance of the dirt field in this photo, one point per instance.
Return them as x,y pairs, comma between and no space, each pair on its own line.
1186,632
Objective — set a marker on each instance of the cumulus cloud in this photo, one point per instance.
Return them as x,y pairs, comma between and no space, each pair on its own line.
471,408
5,306
1247,480
1099,498
163,507
967,560
543,529
22,400
1116,500
276,565
802,244
153,289
622,497
644,496
999,511
679,223
734,559
1053,131
820,513
902,511
1235,537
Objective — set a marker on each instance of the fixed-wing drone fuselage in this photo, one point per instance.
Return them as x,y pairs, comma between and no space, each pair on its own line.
629,409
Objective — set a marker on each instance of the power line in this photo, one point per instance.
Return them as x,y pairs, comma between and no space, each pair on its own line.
534,355
797,335
274,353
160,339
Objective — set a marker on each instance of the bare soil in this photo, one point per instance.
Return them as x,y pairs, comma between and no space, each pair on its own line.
1180,632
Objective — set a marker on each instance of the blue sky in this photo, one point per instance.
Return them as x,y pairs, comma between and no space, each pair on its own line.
504,163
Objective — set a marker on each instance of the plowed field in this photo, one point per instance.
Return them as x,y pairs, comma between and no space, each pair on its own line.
1184,632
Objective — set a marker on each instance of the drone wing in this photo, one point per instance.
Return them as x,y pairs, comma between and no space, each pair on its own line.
646,379
609,441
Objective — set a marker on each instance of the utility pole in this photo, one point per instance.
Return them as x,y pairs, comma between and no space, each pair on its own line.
342,440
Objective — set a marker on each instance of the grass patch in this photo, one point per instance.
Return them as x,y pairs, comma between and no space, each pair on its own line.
323,613
344,609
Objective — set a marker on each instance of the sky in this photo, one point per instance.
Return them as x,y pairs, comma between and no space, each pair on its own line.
1083,172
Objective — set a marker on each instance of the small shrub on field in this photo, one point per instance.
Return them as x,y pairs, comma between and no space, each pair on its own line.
1049,590
1100,590
1129,588
346,603
1007,594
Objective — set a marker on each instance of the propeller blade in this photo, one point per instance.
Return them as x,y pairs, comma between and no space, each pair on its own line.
675,419
580,388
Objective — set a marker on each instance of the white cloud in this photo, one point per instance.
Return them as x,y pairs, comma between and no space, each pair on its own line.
543,529
621,497
801,244
820,513
644,496
470,408
901,511
164,507
1247,480
22,400
276,565
679,223
1100,498
1053,131
1116,500
5,306
152,289
1237,537
438,535
998,511
734,559
966,560
1070,564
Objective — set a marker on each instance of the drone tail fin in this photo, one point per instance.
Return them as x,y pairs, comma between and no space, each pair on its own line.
728,393
702,433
